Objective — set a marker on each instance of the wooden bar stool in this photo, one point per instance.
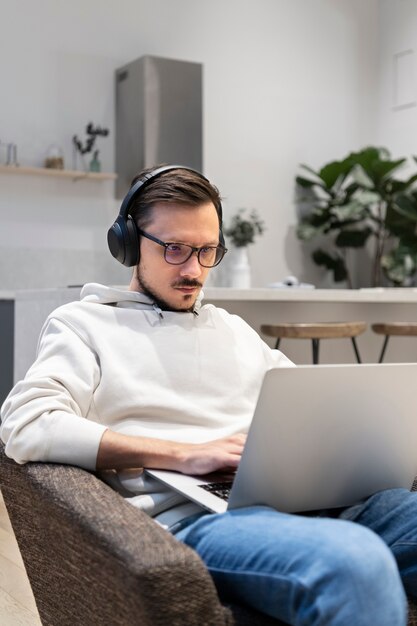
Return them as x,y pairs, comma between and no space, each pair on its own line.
400,329
315,332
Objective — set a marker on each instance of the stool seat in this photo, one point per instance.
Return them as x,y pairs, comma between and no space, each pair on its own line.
316,331
405,329
319,330
399,329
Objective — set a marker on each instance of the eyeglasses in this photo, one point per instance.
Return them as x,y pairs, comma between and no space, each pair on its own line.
178,253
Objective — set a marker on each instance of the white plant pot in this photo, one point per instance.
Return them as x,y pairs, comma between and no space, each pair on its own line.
240,269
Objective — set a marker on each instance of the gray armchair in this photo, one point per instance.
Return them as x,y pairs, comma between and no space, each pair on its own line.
93,559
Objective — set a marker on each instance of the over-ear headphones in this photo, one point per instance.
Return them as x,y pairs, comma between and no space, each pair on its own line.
122,237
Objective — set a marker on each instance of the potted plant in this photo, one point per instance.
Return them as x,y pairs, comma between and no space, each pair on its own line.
243,230
359,202
92,133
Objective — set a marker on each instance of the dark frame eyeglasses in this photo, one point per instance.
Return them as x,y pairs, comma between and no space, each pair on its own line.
179,253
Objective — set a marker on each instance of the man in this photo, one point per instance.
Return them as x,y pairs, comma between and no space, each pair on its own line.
147,377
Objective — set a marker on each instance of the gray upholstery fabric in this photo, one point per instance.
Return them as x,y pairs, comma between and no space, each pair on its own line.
93,559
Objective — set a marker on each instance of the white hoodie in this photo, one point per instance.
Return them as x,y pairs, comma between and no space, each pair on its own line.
115,360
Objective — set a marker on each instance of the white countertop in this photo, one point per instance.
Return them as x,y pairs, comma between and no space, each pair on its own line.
397,295
40,294
7,295
261,294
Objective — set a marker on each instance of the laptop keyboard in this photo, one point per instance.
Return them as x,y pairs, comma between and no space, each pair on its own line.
222,489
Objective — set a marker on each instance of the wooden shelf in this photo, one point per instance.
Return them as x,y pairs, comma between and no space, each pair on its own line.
43,171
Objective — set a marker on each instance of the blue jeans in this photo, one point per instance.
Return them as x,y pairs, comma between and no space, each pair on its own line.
316,570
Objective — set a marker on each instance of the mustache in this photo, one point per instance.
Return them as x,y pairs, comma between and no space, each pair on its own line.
187,282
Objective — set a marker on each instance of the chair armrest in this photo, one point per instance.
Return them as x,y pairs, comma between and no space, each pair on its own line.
92,558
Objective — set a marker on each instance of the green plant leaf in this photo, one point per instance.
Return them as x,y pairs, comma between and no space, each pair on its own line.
333,263
401,262
408,245
366,197
361,178
376,164
351,211
332,172
305,182
309,169
350,190
366,157
320,216
316,175
383,168
402,185
406,205
353,238
306,231
397,224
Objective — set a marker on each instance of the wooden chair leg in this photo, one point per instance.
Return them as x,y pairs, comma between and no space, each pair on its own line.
316,346
355,347
384,347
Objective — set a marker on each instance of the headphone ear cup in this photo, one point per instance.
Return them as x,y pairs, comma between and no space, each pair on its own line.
132,244
123,241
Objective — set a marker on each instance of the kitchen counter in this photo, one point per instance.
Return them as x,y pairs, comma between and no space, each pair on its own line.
257,306
7,295
294,294
260,294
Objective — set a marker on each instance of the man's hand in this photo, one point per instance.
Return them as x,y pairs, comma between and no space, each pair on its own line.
117,451
220,454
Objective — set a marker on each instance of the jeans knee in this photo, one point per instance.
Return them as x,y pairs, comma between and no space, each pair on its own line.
362,573
364,557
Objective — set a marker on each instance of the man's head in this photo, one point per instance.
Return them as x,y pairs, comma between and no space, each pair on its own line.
178,206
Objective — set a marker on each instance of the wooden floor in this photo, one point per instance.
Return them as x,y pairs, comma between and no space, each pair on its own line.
17,605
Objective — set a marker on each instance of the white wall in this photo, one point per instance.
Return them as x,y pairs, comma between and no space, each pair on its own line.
285,81
397,97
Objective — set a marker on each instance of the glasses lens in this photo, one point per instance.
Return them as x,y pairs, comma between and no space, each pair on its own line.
207,256
177,253
211,256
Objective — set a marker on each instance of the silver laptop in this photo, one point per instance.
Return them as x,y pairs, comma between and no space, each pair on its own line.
322,436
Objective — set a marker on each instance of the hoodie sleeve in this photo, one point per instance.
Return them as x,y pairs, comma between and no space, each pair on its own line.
276,358
44,416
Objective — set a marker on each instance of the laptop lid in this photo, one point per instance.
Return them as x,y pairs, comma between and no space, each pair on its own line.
322,436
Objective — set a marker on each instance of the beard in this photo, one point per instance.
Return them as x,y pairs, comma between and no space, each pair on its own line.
147,290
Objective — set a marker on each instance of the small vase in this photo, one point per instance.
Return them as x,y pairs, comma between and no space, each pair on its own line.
240,269
95,164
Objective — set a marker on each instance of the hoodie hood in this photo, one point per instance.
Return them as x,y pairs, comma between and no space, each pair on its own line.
123,297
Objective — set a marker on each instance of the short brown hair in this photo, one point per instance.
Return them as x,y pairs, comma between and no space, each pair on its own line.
179,186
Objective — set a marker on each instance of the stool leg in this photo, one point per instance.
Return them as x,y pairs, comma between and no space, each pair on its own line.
278,341
316,346
355,347
384,347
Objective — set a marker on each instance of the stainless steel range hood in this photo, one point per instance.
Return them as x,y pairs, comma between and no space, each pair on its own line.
158,116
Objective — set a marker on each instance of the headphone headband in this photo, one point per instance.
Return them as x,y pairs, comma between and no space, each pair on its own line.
122,237
146,179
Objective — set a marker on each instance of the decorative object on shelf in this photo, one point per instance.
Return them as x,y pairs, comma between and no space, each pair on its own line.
358,202
54,159
11,153
242,231
95,163
79,148
291,282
